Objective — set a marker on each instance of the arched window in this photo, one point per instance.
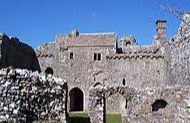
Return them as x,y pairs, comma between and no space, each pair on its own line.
49,70
158,104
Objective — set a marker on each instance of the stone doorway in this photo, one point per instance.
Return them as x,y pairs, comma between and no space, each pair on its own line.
76,99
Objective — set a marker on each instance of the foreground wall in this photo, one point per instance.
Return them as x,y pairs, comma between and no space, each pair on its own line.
149,105
27,97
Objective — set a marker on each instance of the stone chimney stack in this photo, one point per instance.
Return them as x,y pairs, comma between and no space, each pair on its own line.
161,30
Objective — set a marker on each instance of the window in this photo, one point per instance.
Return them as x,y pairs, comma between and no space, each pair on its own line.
123,82
97,56
71,55
126,103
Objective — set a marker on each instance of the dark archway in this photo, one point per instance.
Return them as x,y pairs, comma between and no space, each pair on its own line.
49,70
76,99
158,104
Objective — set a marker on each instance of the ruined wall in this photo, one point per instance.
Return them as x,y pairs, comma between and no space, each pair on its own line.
180,53
159,105
17,54
137,67
148,105
27,97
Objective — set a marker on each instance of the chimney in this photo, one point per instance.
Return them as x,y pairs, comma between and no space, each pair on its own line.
161,30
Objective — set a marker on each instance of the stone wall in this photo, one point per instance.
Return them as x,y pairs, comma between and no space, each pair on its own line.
158,65
81,71
149,105
180,54
27,96
140,66
17,54
159,105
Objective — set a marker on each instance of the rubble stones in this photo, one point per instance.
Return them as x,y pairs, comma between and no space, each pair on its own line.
28,96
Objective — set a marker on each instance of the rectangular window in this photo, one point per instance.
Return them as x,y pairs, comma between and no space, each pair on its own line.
97,56
71,55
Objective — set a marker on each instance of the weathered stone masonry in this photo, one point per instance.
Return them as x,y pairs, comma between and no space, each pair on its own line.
27,96
168,102
85,59
149,105
104,75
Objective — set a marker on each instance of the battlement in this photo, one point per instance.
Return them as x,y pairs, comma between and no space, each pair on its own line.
136,51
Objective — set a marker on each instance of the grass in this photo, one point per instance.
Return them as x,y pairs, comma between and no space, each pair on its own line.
83,118
113,118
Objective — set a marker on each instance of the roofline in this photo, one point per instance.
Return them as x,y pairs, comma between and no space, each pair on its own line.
101,33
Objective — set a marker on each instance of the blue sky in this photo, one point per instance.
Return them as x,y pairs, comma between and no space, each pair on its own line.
38,21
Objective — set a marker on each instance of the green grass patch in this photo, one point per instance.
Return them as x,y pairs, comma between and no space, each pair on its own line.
113,118
83,118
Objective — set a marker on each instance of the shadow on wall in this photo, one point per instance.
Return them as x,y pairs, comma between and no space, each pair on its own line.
17,54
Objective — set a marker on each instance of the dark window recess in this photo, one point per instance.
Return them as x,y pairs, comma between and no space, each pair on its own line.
158,104
123,81
95,56
99,56
71,55
126,103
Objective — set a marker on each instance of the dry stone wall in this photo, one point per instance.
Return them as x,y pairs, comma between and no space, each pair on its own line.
27,96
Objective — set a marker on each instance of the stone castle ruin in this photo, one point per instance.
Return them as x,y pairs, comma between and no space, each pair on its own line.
105,74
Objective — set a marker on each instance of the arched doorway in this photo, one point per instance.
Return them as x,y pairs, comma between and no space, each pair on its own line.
76,99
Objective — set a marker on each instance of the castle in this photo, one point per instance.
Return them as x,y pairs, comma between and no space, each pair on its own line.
86,60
